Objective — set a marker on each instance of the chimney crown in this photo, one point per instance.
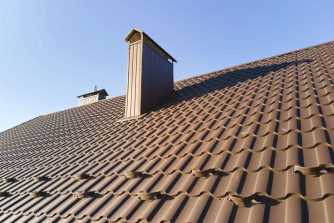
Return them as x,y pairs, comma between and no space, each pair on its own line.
136,35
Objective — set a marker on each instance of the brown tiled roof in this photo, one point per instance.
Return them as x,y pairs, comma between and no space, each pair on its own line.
251,143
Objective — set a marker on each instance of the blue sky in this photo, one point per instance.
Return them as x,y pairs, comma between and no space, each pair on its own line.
51,51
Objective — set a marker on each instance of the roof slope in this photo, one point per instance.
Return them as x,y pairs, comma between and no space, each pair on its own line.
248,143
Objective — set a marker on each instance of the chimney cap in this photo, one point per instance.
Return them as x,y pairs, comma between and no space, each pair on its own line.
102,92
137,34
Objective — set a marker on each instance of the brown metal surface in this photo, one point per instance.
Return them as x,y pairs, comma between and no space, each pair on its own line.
134,80
149,78
157,78
252,143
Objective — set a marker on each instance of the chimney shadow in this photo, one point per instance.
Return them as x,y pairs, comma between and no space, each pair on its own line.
222,80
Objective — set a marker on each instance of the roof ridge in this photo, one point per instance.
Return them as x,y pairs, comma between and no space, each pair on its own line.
254,61
189,78
108,99
18,125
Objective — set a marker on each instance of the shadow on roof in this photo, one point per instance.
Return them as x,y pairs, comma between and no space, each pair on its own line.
223,80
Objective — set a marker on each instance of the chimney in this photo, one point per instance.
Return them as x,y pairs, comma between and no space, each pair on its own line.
91,97
150,74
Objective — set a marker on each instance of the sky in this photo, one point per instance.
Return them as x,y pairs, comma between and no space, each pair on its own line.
52,51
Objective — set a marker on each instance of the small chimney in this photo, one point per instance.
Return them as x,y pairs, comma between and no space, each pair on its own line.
150,74
91,97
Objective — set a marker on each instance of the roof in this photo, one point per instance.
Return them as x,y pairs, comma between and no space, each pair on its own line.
249,143
135,33
102,92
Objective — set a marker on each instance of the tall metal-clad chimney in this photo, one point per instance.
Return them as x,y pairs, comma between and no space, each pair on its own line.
150,74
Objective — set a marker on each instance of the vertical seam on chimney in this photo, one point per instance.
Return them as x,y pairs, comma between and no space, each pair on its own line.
127,84
141,73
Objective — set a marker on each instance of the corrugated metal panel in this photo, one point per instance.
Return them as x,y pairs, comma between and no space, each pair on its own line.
157,78
133,95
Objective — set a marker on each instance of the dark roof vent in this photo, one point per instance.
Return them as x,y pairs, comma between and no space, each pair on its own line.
150,74
91,97
10,180
41,178
5,194
82,176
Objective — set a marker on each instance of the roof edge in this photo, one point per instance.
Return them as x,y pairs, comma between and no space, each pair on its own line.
257,60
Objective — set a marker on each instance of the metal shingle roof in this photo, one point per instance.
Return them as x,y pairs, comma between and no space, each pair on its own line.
248,143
